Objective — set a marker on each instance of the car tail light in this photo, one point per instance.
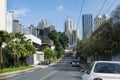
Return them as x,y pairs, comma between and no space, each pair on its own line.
97,79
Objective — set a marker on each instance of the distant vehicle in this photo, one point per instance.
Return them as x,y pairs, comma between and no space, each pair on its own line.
43,63
103,70
75,63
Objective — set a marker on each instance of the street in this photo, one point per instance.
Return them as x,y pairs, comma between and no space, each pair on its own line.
60,71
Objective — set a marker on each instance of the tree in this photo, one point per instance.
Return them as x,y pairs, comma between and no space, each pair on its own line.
63,39
59,49
99,43
54,35
19,47
116,16
49,54
105,41
80,46
59,43
3,38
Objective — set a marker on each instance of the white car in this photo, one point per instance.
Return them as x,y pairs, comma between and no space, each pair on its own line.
103,70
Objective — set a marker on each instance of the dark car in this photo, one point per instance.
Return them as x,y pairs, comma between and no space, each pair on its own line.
75,63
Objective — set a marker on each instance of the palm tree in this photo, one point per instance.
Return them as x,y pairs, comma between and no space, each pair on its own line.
20,47
4,36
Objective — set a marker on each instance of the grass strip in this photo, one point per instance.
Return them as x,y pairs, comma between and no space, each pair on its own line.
14,69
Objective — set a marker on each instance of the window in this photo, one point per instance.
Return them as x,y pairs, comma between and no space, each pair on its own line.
107,68
38,56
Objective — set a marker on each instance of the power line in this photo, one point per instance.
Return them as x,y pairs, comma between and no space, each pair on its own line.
111,6
80,13
101,7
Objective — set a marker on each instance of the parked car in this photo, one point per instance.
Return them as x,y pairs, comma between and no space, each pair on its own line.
43,63
103,70
75,63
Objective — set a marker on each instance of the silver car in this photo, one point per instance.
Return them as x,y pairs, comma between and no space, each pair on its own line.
75,63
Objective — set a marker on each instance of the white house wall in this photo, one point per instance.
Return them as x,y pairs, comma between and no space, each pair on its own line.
33,59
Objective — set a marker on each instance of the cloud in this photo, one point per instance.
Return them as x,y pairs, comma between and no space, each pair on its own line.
20,12
60,8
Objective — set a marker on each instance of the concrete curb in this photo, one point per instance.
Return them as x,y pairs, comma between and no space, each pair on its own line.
15,73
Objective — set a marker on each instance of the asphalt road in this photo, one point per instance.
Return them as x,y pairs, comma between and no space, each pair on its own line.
60,71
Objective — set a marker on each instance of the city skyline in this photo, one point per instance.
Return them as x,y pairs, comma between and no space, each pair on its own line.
31,12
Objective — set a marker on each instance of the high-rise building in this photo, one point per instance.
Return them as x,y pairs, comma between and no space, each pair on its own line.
87,23
9,22
44,27
33,30
69,25
99,20
43,24
3,4
70,31
105,17
15,26
23,29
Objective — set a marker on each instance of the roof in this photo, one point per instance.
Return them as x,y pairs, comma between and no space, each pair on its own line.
108,61
33,38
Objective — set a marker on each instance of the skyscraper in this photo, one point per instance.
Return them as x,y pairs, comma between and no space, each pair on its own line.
69,25
99,20
15,26
70,31
44,27
33,30
9,22
3,4
87,23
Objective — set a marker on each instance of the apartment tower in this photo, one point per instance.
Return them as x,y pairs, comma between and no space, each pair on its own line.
3,4
99,20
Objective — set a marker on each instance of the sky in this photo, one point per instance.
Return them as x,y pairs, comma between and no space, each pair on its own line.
56,11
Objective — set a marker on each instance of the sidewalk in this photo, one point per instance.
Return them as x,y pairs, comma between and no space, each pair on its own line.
19,72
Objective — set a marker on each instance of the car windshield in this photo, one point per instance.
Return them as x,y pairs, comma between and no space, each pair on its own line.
107,68
75,60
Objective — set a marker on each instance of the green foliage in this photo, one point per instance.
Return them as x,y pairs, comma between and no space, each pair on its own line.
49,54
53,35
4,37
15,68
63,39
81,47
105,41
100,42
18,48
60,41
59,49
115,18
116,30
